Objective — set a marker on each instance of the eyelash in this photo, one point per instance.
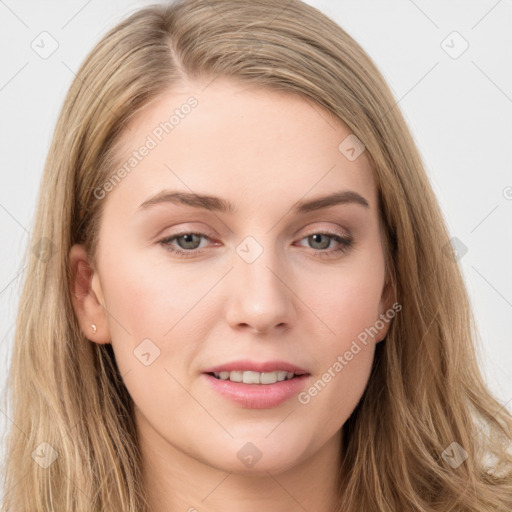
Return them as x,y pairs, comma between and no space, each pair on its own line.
345,244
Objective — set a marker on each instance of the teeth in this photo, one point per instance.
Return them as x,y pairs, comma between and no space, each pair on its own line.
236,376
249,377
269,377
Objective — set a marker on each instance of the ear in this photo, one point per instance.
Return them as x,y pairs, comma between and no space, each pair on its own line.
87,297
386,309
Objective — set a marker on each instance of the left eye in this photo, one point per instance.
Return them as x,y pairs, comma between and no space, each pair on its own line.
316,238
189,242
344,243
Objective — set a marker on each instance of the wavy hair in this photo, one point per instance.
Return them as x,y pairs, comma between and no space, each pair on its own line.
425,391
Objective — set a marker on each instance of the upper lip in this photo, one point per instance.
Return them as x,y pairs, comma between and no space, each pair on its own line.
255,366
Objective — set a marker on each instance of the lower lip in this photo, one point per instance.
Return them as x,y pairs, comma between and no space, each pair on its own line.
258,396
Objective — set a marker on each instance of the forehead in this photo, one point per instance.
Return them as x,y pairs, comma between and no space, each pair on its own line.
254,145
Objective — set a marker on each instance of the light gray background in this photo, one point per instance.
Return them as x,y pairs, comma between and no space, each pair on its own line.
459,111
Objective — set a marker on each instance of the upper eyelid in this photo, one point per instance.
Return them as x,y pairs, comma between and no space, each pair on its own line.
211,234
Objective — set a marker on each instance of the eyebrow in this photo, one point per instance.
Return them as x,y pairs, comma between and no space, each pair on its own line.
213,203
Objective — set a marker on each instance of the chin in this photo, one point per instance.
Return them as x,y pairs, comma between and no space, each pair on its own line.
258,456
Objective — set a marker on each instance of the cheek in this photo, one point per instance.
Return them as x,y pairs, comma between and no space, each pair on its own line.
162,303
344,353
151,299
138,310
347,301
151,310
334,394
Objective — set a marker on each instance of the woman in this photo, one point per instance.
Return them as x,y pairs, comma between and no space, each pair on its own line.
245,297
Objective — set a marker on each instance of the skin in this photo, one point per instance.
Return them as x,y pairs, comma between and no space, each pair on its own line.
262,150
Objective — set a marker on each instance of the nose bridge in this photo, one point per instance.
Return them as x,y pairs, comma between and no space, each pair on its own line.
260,298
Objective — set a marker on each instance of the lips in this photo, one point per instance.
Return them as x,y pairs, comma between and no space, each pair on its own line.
246,392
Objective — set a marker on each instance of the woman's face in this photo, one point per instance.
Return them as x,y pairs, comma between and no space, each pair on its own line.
280,279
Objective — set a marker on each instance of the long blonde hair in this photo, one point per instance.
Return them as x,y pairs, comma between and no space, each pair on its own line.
425,392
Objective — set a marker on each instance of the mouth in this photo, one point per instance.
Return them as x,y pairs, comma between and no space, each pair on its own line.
253,385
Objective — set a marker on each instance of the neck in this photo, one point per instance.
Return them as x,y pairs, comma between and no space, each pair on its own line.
177,482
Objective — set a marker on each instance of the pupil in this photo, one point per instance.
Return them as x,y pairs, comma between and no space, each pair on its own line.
316,239
188,239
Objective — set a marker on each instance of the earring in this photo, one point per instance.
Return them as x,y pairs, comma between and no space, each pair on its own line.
93,328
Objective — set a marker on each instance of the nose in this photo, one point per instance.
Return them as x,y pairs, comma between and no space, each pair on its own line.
261,297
